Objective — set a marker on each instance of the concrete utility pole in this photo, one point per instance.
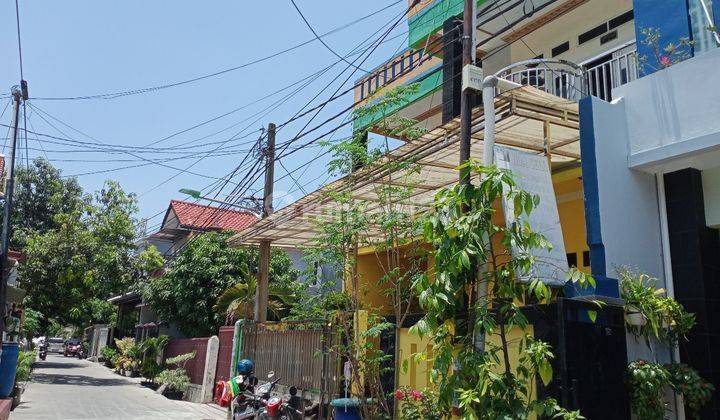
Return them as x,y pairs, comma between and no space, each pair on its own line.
7,212
261,292
466,94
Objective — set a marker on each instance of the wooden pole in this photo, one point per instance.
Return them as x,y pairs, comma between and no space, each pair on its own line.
261,292
465,95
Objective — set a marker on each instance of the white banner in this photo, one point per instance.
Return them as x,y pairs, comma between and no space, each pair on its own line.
532,174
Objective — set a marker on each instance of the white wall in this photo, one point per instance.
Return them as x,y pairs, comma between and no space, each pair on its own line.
630,221
572,24
673,113
711,195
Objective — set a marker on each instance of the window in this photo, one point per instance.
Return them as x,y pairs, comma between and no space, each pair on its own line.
565,46
592,33
586,258
572,259
624,18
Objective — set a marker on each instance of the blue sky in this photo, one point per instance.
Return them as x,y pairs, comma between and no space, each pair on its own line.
80,48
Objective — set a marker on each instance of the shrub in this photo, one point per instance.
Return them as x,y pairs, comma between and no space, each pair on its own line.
647,382
25,365
150,367
174,379
417,405
181,359
108,353
695,390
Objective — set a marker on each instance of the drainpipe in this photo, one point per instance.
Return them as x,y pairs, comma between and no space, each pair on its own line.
490,85
488,97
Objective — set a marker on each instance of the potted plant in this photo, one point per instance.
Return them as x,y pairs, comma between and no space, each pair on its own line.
647,382
695,390
649,312
175,382
128,363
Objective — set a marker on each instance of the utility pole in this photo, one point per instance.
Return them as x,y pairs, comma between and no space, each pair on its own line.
261,292
466,94
7,212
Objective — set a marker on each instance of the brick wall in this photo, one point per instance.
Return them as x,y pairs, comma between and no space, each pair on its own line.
195,367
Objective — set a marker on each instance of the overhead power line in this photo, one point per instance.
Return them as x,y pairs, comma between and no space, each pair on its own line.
119,94
319,38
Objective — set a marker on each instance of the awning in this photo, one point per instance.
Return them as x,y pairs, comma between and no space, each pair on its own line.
527,119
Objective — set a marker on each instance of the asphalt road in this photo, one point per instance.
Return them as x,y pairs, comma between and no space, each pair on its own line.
68,388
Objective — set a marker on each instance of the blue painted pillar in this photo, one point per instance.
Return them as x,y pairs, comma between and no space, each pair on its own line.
671,17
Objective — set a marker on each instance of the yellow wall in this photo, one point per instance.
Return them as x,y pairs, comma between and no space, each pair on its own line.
571,207
417,375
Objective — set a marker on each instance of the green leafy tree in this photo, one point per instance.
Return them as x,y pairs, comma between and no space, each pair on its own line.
463,236
32,324
388,227
206,269
41,194
80,248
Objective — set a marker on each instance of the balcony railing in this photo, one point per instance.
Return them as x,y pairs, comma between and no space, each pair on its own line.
558,77
390,71
622,68
571,81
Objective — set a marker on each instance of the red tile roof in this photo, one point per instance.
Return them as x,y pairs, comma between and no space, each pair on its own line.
198,216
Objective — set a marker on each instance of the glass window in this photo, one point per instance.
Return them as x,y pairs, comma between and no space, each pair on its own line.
701,18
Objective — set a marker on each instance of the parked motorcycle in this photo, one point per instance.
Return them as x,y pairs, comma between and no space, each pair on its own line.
262,405
43,352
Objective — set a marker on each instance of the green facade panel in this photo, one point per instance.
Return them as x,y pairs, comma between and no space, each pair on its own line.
431,19
430,81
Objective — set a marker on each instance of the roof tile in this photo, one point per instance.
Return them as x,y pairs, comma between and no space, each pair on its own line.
198,216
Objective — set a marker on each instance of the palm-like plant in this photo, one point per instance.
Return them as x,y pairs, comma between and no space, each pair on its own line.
238,300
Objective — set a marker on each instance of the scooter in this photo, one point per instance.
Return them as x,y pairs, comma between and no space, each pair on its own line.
43,352
80,352
262,405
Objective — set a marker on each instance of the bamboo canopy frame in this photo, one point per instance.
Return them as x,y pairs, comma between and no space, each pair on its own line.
527,119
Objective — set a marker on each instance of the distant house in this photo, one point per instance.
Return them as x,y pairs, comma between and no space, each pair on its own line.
182,221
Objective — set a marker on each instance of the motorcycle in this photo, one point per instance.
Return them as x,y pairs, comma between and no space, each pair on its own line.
80,352
261,405
43,352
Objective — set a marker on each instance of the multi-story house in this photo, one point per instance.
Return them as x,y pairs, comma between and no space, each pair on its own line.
632,157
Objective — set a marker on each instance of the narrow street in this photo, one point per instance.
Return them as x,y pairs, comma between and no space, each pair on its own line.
68,388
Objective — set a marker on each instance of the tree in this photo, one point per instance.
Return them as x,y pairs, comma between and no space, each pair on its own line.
41,194
463,236
388,228
114,229
80,248
206,267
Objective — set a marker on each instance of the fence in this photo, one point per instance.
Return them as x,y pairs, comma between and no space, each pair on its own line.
196,366
298,357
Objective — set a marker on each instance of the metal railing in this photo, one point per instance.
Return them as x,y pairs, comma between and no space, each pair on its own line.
571,81
622,68
558,77
389,72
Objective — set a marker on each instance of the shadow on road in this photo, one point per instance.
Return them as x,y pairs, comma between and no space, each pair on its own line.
57,365
80,380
